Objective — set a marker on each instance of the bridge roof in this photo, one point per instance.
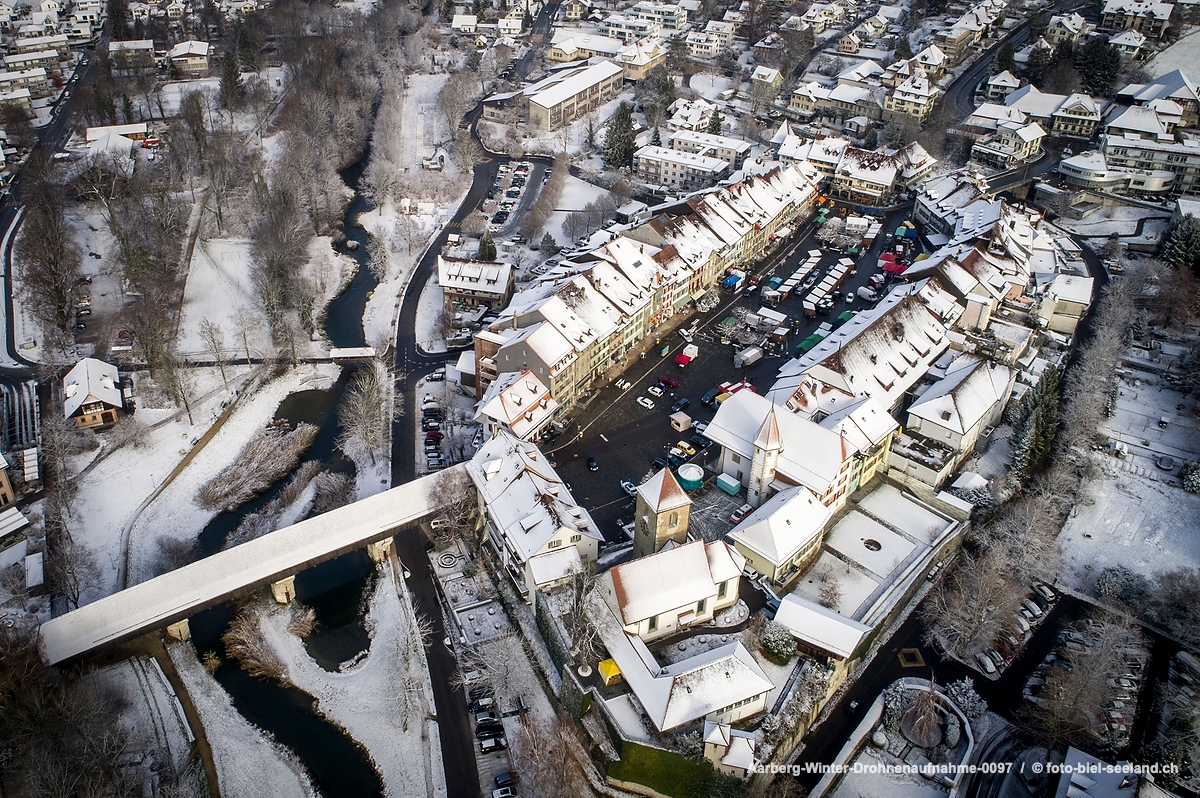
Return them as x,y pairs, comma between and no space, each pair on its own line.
182,593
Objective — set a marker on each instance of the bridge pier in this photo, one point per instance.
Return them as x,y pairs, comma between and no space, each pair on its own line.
284,590
180,630
379,550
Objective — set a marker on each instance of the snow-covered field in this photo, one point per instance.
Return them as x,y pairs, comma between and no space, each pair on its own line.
576,194
429,309
709,85
1183,54
111,494
384,701
249,765
1121,220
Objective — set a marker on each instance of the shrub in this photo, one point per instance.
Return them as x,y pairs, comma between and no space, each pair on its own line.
778,642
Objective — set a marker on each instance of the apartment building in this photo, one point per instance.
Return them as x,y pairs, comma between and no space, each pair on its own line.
628,28
642,57
1066,28
1064,115
670,17
678,170
728,149
46,59
36,81
569,47
715,39
131,58
1173,86
1180,158
1000,85
57,42
1151,18
473,283
570,93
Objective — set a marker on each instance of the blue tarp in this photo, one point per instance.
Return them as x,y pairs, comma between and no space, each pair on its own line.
730,281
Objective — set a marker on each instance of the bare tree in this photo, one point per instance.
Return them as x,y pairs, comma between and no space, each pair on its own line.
585,642
974,605
72,570
49,258
368,409
214,342
454,100
460,507
550,756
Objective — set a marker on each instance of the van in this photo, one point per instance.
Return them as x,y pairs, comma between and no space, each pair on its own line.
436,376
439,523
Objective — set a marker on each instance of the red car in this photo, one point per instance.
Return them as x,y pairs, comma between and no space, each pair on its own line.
755,279
668,382
434,436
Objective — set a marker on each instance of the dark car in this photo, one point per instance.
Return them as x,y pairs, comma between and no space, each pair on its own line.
486,716
680,404
659,462
505,779
700,442
674,461
486,730
80,326
430,424
669,382
710,398
593,465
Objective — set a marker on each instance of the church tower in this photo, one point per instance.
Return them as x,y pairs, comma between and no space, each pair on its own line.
662,514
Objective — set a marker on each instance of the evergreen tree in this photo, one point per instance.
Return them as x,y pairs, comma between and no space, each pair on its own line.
549,244
677,54
487,248
526,21
714,122
656,139
1039,61
1182,247
1005,60
903,48
231,82
619,144
1099,65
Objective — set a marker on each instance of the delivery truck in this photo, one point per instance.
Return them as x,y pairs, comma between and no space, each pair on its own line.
747,357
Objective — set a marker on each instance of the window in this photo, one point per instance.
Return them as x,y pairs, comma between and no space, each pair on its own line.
554,544
722,590
576,538
673,520
653,625
734,457
700,605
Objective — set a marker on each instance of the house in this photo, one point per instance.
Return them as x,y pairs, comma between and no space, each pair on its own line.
538,531
1149,17
1074,115
1174,86
1069,28
130,58
569,47
518,402
912,99
575,10
570,93
676,588
767,80
1129,43
849,44
783,536
7,495
956,409
730,750
475,284
136,131
735,151
767,448
510,25
175,11
1001,85
1012,143
464,23
190,58
820,631
640,58
1066,302
92,394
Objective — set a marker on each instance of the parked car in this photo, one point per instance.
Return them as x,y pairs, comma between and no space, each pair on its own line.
699,442
483,702
486,730
486,716
710,398
685,335
430,424
628,486
668,382
593,465
659,463
677,453
644,402
505,779
503,792
1045,591
655,391
680,404
700,426
985,664
434,435
492,744
80,326
741,513
1033,608
83,312
685,447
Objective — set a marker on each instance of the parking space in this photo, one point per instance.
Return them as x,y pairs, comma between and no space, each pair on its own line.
513,192
625,435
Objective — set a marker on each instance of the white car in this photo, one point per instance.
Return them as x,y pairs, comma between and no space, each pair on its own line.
687,336
644,402
655,391
985,664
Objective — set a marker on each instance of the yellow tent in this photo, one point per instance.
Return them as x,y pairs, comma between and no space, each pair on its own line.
609,672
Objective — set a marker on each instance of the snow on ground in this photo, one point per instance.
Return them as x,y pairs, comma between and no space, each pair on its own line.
386,226
220,288
1122,220
1183,54
576,194
1126,519
429,310
778,674
110,495
709,85
571,138
150,714
249,764
366,698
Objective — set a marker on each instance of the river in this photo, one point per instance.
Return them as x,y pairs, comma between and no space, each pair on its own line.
334,589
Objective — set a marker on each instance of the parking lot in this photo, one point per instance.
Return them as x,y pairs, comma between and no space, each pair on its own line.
626,437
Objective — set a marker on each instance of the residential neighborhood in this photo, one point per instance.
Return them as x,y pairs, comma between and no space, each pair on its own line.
564,398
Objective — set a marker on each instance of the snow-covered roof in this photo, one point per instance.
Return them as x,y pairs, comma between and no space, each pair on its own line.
765,74
967,394
191,48
738,745
864,424
671,579
472,275
881,352
662,492
527,502
819,626
12,520
676,694
783,525
1069,288
1128,38
1139,8
555,565
1004,78
566,84
518,400
811,455
90,380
